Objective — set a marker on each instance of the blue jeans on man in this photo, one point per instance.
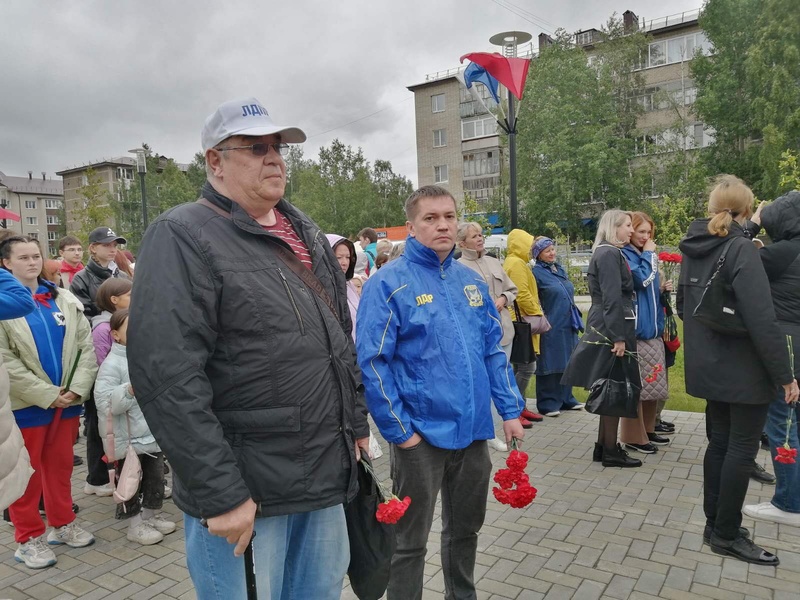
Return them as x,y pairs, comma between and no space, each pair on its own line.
787,487
297,557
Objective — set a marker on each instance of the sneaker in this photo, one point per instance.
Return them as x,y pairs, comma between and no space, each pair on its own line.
766,511
525,423
576,407
145,534
552,413
532,416
35,554
663,429
167,491
76,460
667,424
643,448
73,535
496,444
100,490
657,440
760,474
161,525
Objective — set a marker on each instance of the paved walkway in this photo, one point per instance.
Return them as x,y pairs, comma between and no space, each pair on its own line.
591,533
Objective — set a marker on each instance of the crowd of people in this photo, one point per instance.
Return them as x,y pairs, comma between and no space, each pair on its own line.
249,348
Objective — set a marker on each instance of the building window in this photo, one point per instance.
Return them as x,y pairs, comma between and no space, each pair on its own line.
30,204
440,174
675,50
52,236
481,163
437,103
478,128
658,54
52,220
84,180
52,203
32,220
124,173
439,138
33,235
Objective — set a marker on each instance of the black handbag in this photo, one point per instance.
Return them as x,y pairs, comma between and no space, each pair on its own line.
522,346
372,543
610,397
717,308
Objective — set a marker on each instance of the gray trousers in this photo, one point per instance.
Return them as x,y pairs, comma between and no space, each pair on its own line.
462,476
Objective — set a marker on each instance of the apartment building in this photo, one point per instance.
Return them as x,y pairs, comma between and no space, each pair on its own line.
458,145
112,174
38,201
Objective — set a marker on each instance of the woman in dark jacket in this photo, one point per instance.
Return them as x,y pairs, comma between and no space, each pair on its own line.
102,250
781,221
738,376
557,295
610,329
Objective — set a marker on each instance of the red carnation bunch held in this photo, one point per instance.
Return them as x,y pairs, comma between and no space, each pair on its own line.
392,508
670,261
515,486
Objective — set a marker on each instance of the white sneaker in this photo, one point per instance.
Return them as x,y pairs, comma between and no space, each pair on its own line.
35,554
167,491
100,490
555,413
497,445
73,535
766,511
145,534
163,526
577,407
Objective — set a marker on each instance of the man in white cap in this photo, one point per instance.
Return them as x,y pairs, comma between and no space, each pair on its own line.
242,362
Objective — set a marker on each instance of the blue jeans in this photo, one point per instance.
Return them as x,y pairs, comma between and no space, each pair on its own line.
297,557
787,488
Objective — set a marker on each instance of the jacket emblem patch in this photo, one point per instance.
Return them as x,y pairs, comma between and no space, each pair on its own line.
473,294
424,299
61,320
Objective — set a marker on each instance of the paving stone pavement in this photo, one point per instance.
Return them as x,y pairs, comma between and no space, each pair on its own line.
592,533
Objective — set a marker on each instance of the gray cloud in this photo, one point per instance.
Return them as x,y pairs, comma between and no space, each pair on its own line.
87,80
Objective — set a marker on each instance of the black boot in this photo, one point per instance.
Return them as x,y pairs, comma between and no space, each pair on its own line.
597,455
617,457
760,474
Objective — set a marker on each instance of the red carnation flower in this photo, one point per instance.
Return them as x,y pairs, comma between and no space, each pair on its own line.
663,256
517,460
786,455
391,510
522,496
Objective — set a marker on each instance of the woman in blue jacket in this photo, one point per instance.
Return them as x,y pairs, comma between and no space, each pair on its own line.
639,434
557,295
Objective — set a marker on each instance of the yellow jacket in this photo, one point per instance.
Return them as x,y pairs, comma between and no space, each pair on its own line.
518,268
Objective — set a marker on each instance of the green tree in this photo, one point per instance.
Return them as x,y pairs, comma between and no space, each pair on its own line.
576,131
94,206
790,171
197,172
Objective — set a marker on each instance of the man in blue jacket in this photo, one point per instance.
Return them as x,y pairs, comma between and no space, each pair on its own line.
429,347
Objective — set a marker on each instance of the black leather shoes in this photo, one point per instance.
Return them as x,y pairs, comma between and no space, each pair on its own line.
617,457
764,441
759,474
708,530
744,549
597,455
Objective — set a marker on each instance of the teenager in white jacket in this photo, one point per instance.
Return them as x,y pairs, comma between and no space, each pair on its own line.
116,403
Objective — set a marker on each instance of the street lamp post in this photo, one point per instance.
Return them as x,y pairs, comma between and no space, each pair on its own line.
141,167
509,40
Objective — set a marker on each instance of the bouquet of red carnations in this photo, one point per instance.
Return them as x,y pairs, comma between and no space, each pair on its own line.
392,508
670,260
515,486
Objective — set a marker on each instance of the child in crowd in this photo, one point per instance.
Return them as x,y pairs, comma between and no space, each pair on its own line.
114,294
117,404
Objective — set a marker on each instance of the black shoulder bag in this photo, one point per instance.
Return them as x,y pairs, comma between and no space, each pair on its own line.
610,397
522,346
717,308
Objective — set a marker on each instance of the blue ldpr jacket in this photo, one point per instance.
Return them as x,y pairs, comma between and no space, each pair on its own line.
647,285
428,338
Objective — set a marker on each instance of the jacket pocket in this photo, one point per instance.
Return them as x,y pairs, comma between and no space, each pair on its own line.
280,419
292,303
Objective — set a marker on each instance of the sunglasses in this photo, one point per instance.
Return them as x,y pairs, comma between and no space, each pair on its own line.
260,149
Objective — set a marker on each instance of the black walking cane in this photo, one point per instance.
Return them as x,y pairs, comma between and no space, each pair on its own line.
249,566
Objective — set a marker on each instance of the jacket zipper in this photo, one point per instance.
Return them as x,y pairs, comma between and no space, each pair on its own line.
294,304
443,276
49,338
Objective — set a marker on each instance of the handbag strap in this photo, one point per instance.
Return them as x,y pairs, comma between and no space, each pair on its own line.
720,261
516,311
289,259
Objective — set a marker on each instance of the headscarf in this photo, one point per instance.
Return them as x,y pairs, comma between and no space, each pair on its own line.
540,245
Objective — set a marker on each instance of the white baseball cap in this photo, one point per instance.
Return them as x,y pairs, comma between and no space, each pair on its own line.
245,117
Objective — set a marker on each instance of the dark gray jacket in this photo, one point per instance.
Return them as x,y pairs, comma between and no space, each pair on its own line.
247,379
86,283
739,370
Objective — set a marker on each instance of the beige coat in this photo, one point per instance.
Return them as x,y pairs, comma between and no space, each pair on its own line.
15,464
30,385
499,285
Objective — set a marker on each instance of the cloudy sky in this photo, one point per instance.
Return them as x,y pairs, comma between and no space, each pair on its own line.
81,81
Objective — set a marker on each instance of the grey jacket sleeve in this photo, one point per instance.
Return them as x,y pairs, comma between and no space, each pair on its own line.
173,331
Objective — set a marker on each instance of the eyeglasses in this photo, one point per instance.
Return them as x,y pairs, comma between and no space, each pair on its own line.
260,149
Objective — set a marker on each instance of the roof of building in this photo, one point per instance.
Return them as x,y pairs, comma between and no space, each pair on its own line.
121,161
32,185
